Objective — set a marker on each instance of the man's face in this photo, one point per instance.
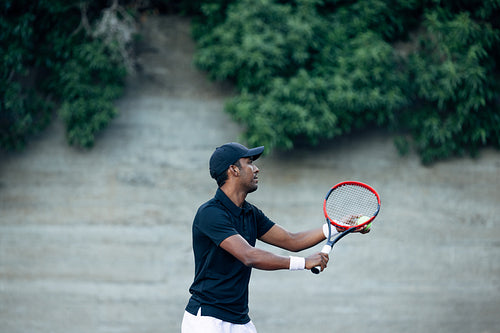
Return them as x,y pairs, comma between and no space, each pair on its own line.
248,174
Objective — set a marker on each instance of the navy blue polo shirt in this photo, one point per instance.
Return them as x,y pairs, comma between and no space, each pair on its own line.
220,284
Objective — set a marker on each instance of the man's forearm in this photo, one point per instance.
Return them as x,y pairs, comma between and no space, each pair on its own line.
306,239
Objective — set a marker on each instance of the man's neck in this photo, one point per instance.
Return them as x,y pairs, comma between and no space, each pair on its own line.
237,197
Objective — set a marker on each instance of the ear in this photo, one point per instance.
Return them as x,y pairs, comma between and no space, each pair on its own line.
235,171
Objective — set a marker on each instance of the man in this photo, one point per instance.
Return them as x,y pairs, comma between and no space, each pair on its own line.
225,230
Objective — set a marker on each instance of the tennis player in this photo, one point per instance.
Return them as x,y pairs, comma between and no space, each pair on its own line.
225,230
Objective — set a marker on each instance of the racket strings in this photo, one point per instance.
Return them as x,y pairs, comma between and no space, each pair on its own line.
347,203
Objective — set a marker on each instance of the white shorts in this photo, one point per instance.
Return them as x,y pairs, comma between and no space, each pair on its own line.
205,324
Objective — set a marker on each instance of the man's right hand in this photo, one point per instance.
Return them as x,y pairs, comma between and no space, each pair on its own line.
317,259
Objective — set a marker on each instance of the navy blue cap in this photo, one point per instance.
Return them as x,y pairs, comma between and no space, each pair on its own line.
227,154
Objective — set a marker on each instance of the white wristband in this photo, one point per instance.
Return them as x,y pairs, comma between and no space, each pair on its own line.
334,231
297,263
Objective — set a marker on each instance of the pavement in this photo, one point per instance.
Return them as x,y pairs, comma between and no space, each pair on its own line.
99,240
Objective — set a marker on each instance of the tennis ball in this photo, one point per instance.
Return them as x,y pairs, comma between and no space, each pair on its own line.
363,219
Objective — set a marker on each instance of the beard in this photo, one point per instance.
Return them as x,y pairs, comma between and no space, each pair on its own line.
251,187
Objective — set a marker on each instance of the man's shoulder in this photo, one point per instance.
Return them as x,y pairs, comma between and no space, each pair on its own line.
210,209
210,205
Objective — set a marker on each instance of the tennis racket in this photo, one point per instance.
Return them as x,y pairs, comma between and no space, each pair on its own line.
349,206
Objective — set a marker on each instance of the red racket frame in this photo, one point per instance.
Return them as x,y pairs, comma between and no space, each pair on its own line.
362,225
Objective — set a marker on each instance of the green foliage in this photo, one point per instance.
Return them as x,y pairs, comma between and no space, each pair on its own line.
316,83
258,41
295,108
389,19
312,69
357,91
22,114
456,94
49,60
210,14
90,81
306,69
21,111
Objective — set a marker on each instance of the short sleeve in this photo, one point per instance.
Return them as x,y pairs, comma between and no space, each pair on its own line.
215,223
263,223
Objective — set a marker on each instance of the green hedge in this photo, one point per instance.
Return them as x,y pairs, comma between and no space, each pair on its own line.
51,62
318,69
305,69
454,79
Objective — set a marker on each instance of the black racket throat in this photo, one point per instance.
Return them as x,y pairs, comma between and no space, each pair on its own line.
344,233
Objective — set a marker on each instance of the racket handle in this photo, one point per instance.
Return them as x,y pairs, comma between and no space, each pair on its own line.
326,249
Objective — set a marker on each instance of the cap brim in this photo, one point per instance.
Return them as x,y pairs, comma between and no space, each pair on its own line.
254,153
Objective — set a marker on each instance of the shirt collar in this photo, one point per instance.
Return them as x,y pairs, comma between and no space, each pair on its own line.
226,202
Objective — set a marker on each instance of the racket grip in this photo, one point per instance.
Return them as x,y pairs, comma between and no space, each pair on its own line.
326,249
